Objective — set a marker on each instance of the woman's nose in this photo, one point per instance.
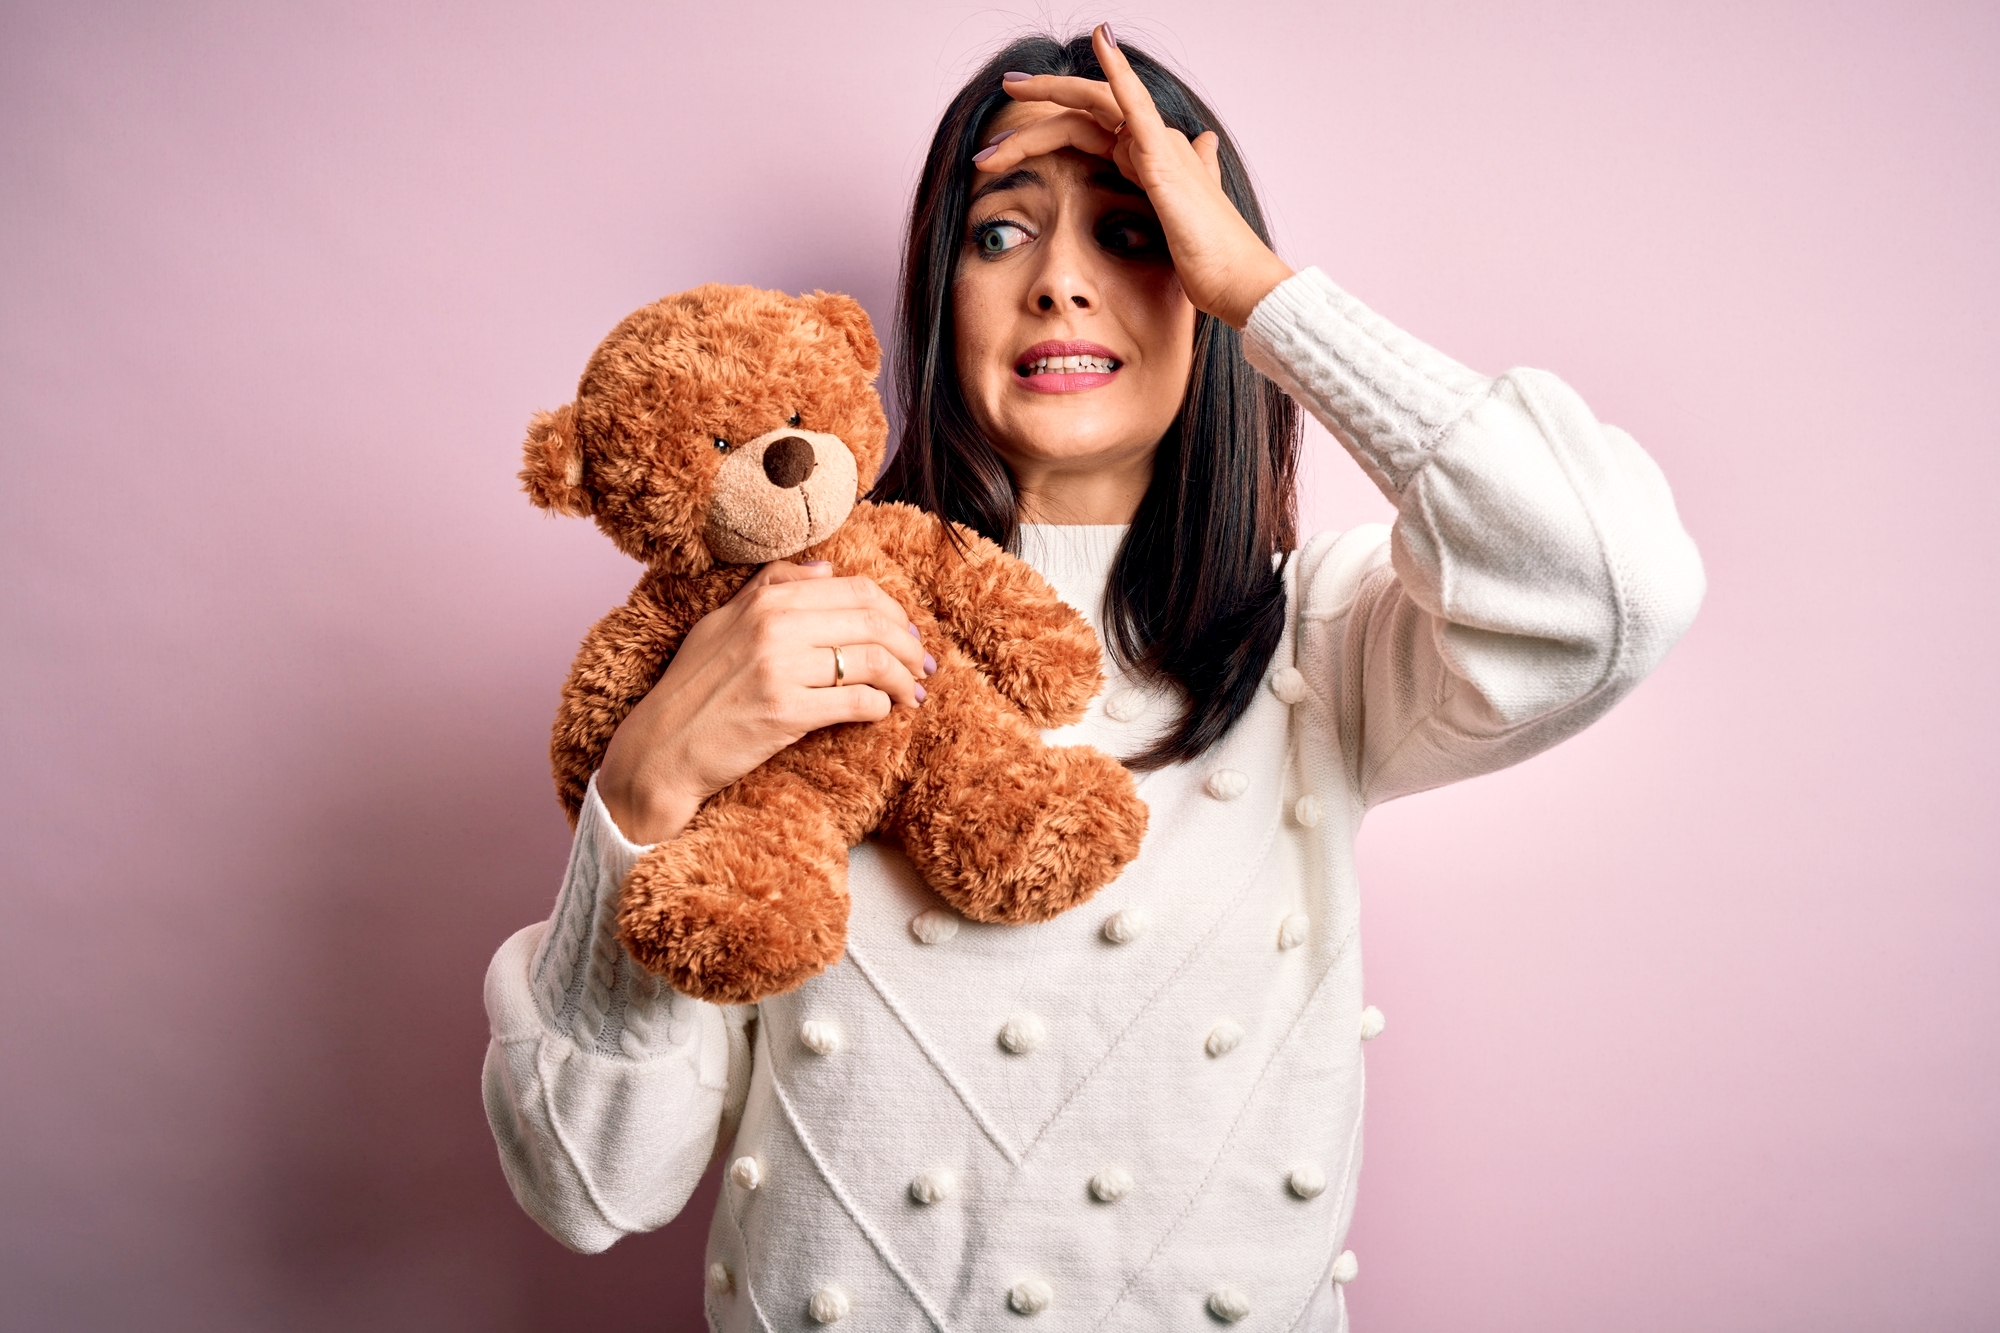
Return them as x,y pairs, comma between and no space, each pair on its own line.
1064,281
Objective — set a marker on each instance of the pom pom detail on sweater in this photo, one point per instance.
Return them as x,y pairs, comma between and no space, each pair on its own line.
1030,1296
1292,931
1111,1184
1023,1033
1289,684
820,1036
746,1172
720,1280
1224,1037
1125,705
1228,1304
935,1185
1308,1181
1346,1268
936,926
829,1305
1372,1023
1226,784
1307,811
1125,925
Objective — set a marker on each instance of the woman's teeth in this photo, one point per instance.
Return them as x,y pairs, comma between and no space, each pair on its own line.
1069,365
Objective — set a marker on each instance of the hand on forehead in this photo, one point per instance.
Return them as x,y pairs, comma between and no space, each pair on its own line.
1027,130
1019,115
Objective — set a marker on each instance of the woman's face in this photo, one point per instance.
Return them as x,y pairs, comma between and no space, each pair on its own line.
1074,338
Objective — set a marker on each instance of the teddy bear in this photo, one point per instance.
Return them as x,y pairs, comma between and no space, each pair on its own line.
725,427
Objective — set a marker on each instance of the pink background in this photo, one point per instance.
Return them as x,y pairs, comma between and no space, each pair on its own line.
1694,1023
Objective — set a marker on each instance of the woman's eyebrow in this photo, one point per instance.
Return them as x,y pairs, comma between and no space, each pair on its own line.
1013,180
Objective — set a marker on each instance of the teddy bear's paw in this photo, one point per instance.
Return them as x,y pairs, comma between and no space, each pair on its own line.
1032,848
733,922
1050,676
727,950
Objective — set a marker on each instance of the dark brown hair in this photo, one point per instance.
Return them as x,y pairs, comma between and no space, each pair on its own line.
1195,596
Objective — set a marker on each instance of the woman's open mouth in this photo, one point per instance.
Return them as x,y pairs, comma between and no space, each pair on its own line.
1065,367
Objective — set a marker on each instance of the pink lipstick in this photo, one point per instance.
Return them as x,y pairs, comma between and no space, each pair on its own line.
1065,367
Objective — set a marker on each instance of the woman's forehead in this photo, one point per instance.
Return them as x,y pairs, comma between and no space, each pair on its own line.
1065,171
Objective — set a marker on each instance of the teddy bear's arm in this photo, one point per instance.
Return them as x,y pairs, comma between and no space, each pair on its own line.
622,658
1032,645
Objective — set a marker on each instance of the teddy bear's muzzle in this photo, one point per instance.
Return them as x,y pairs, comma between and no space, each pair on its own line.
778,494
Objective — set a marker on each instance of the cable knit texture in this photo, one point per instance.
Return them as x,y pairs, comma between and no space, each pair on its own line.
1382,393
1148,1110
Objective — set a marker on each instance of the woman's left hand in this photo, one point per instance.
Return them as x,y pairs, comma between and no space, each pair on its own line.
1224,267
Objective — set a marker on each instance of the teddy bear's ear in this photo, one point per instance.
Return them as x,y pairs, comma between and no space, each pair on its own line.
553,475
844,313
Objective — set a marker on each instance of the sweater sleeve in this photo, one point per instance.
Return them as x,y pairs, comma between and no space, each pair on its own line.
606,1090
1536,571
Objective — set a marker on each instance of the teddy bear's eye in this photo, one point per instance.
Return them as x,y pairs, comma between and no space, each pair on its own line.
794,421
721,445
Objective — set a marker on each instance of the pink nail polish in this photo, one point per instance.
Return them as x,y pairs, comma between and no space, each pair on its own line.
985,153
930,665
913,630
1109,40
921,695
1015,76
998,138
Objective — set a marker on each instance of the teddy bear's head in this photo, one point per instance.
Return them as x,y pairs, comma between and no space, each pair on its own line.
724,425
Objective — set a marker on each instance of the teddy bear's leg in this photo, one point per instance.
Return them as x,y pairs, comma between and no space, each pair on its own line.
1004,827
750,900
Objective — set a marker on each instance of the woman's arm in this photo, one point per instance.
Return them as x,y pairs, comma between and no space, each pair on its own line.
607,1092
1537,569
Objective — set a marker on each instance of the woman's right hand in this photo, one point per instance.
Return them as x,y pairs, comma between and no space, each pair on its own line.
751,678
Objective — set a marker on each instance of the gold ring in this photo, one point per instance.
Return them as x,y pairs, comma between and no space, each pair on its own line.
1121,125
839,669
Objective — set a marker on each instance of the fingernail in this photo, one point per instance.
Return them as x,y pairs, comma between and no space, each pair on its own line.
1109,40
921,696
913,630
985,153
930,665
995,140
1014,76
811,563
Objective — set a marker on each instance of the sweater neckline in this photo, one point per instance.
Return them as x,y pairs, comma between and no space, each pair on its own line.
1076,559
1087,549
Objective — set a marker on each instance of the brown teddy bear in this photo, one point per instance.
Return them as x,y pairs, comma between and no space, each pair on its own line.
725,427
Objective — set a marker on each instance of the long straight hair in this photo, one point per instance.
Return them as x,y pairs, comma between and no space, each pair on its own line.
1195,596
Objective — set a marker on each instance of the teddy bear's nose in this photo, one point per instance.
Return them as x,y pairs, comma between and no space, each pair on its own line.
788,461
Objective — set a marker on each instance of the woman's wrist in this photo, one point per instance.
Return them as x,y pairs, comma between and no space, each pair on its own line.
646,813
1264,273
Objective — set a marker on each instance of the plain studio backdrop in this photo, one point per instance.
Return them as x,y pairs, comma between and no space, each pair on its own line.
1693,1023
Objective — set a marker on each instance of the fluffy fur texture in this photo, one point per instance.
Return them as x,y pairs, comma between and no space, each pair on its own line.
728,426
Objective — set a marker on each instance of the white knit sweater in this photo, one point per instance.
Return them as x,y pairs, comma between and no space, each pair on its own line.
1145,1114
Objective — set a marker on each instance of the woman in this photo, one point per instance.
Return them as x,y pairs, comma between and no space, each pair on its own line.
1146,1113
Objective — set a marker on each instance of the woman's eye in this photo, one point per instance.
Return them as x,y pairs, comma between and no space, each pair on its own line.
1129,236
997,238
721,445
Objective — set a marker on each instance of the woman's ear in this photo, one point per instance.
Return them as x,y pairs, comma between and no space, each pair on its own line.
844,313
553,475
